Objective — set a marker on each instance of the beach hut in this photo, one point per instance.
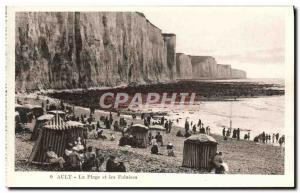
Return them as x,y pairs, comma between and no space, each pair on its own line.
198,151
140,132
157,128
57,134
40,122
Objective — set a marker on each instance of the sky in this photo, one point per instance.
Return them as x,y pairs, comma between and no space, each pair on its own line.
251,39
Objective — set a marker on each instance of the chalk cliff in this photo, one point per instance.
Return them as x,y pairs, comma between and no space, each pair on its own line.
204,67
90,49
72,49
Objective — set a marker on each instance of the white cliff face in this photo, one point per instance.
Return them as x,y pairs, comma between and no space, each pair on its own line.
87,49
183,66
69,50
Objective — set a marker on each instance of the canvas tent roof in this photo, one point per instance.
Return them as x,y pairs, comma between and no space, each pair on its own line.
139,127
45,117
157,127
56,112
30,106
201,138
74,124
17,105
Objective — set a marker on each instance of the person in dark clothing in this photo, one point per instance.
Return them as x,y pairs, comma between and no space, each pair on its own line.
111,166
199,123
179,134
123,141
224,132
162,120
167,127
187,134
154,149
110,118
186,126
277,137
263,137
149,119
107,124
194,129
202,130
121,167
238,133
159,138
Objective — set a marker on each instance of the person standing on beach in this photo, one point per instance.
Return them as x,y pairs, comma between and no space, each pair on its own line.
194,129
167,127
199,123
170,126
263,137
162,120
238,132
186,126
277,137
224,132
110,118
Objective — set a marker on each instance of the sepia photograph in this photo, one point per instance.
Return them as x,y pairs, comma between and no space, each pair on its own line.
119,93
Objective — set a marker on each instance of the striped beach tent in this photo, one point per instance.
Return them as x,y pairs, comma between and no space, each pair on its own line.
141,133
57,134
198,151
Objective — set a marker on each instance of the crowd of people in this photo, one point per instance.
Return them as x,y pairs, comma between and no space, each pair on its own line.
191,128
270,138
77,157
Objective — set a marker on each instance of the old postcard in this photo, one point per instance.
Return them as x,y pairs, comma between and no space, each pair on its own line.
150,97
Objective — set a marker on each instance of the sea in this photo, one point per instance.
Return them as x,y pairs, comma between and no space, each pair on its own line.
257,114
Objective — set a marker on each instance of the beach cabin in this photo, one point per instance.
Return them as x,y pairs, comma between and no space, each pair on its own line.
140,132
154,129
56,134
198,151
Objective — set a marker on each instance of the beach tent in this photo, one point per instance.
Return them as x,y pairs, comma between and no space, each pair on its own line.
198,151
57,134
27,111
40,122
157,128
141,133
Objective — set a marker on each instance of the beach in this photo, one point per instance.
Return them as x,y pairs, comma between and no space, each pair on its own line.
242,157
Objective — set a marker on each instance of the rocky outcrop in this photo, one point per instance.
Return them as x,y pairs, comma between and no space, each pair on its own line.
91,49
